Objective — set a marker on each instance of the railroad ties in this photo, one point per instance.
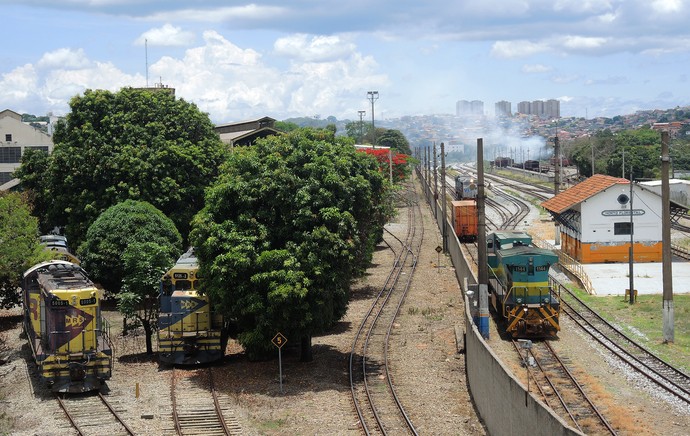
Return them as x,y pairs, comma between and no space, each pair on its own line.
560,390
197,408
665,376
374,396
92,414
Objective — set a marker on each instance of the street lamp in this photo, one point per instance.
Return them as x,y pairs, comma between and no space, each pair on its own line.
361,114
373,96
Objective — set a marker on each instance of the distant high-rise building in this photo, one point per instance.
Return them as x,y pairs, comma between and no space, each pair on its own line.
524,107
465,108
502,109
545,109
552,108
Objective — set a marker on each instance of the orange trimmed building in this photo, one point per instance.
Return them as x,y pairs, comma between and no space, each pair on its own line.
595,225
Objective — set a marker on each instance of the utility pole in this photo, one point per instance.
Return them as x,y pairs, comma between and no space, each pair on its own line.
361,114
631,252
557,181
435,184
483,264
373,96
667,304
443,198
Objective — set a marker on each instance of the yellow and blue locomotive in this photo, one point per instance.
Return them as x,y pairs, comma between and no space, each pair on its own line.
189,331
519,284
69,340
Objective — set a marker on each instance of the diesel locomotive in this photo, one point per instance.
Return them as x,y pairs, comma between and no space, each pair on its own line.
465,188
69,340
189,331
519,285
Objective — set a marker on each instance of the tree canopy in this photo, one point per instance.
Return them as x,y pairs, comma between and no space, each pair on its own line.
19,246
115,231
134,144
144,264
288,224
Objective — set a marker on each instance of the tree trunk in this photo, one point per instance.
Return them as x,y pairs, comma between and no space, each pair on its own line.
306,352
125,330
149,333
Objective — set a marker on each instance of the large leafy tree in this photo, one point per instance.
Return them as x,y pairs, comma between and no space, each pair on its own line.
19,246
394,139
118,228
144,264
134,144
287,226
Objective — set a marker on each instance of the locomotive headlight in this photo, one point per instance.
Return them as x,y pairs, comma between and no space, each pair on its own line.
519,300
74,300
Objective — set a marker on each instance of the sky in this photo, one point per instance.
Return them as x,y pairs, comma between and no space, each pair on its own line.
240,60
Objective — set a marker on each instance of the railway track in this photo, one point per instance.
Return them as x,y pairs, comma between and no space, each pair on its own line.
374,396
197,409
665,376
92,414
560,390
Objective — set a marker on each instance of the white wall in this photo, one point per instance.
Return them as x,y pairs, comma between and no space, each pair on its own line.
598,228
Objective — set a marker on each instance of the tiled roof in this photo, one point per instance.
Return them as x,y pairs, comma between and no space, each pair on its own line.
581,192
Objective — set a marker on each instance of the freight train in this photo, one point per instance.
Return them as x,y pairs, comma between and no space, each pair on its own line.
189,331
70,341
465,220
519,284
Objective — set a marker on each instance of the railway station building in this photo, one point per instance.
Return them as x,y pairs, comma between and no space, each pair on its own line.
596,225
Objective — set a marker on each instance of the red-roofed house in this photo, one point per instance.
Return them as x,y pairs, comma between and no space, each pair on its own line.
595,221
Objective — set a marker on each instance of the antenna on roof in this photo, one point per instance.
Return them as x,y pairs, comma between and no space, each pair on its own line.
146,52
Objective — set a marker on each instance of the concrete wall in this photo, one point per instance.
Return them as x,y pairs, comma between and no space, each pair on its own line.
501,400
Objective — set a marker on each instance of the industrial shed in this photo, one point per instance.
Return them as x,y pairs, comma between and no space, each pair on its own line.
595,220
246,132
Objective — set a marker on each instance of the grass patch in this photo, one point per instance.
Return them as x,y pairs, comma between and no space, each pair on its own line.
643,321
273,424
413,310
433,314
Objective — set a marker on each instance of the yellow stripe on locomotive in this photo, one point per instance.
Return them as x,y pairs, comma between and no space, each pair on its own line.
519,282
189,331
69,340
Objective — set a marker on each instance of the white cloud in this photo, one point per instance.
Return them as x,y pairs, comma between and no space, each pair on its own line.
536,68
574,42
64,58
167,35
314,48
518,48
667,6
250,12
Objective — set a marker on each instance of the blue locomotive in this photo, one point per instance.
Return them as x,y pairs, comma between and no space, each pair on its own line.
189,331
465,188
519,284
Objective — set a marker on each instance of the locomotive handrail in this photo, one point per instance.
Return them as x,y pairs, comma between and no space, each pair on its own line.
572,265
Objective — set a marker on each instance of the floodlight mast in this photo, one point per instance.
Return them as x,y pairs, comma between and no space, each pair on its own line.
373,96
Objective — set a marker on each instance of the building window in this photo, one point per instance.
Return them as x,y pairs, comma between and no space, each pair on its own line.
623,228
8,137
10,154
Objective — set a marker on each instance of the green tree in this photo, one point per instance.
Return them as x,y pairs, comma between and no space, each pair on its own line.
286,126
134,144
394,139
33,173
144,264
19,246
357,131
287,226
120,226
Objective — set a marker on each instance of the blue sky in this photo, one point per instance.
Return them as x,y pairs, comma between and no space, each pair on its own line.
238,60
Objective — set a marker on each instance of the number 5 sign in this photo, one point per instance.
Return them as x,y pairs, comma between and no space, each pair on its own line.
279,340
